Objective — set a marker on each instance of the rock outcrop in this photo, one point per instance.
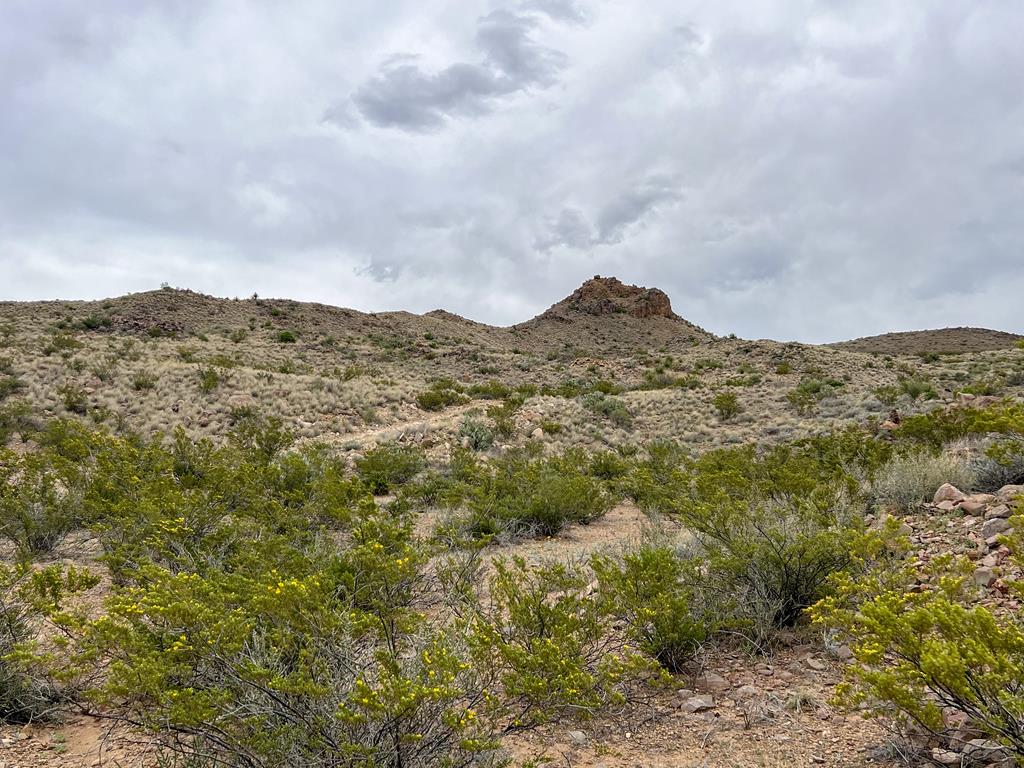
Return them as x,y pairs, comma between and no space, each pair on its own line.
610,296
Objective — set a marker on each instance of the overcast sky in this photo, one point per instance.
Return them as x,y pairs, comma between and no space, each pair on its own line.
795,170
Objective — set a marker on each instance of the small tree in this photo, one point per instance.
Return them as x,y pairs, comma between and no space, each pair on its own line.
727,405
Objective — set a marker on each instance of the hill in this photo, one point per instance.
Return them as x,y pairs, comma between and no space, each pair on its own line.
945,341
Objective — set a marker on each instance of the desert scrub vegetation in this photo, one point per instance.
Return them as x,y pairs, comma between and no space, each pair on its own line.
922,655
519,494
387,467
726,405
907,480
241,630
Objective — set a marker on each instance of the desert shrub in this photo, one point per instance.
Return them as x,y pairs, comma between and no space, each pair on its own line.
28,692
519,495
915,388
887,394
238,335
386,467
491,390
549,645
442,393
648,589
706,364
503,415
607,407
774,526
726,405
209,378
10,385
74,398
62,343
809,392
295,656
784,368
919,654
286,337
16,418
477,435
143,381
908,480
40,499
550,427
261,437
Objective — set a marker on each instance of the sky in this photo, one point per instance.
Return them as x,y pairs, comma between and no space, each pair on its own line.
794,170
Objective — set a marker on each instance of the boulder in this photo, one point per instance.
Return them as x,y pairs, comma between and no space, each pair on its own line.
947,492
994,527
715,683
698,704
998,511
1010,492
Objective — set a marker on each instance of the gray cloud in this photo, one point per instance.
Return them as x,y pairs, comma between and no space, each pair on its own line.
812,171
403,95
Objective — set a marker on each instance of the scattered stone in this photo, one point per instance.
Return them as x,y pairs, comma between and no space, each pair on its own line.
715,683
747,692
537,434
984,577
969,507
816,664
945,756
698,704
1010,492
579,738
985,752
1000,511
946,505
947,492
994,527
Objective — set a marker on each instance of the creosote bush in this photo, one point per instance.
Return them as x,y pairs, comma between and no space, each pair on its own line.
386,467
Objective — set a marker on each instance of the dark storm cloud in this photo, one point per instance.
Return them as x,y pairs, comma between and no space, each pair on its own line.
799,170
404,95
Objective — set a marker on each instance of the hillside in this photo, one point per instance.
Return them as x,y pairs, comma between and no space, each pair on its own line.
945,341
264,532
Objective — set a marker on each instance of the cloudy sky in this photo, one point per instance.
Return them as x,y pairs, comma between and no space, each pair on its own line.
796,170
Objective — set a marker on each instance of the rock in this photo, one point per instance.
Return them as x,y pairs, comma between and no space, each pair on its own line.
537,434
999,511
608,296
947,492
969,507
816,664
746,692
985,752
984,577
698,704
945,756
579,738
1010,492
994,527
946,505
715,683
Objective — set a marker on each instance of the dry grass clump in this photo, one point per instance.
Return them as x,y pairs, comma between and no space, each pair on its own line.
906,481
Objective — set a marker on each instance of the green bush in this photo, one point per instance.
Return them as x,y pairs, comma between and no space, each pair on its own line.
10,385
386,467
517,495
287,337
209,378
726,405
40,500
442,393
74,398
477,435
774,526
28,692
607,407
919,654
143,381
550,646
649,590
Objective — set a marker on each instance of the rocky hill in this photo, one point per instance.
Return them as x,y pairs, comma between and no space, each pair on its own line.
945,341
